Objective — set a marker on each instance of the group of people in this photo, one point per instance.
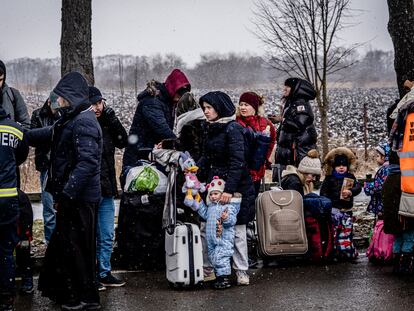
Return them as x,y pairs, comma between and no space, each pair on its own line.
75,135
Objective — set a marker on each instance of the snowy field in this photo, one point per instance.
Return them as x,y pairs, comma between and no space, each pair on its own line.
345,113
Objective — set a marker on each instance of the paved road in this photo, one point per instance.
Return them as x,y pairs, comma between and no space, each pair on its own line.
345,286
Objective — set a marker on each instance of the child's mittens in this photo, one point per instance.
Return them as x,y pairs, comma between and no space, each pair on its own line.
190,202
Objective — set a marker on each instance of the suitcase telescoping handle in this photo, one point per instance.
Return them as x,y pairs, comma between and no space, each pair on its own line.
171,200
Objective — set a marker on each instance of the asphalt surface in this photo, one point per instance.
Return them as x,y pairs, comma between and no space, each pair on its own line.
340,286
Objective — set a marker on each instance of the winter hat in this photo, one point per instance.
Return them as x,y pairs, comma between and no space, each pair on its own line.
221,102
95,95
252,99
311,163
384,150
216,184
177,82
340,159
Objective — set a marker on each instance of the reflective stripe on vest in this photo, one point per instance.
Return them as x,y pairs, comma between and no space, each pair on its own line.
407,156
8,192
11,130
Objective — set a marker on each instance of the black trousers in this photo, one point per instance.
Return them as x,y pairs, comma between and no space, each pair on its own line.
69,272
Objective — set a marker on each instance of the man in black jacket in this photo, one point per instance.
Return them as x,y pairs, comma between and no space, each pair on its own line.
69,272
154,117
12,102
114,135
43,117
13,152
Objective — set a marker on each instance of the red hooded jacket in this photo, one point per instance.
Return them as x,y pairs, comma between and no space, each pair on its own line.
175,81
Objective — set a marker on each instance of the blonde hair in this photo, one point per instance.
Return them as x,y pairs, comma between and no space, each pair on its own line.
260,111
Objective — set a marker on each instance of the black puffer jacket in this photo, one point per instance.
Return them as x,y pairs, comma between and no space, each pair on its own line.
76,145
331,188
42,117
223,155
153,121
114,135
296,134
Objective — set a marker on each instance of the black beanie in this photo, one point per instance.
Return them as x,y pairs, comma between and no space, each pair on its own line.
339,160
221,102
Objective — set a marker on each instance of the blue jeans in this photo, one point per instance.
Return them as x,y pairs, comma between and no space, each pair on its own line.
49,214
105,235
8,241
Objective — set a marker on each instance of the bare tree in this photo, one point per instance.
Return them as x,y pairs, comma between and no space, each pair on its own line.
301,36
401,28
76,38
121,76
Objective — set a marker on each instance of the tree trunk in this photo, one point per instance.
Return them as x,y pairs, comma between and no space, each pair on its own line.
322,107
401,29
76,39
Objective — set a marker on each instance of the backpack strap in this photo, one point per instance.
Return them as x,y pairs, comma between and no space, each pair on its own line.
11,96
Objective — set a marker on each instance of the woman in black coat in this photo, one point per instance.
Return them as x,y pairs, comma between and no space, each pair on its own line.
223,155
296,134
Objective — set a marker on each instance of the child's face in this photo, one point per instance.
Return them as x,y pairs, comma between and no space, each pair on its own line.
380,159
215,196
341,169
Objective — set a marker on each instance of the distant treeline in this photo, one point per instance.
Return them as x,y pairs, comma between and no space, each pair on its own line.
213,71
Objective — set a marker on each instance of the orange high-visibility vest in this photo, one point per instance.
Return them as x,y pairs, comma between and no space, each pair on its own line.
407,156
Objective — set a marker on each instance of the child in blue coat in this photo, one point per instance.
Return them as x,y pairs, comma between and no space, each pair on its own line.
220,222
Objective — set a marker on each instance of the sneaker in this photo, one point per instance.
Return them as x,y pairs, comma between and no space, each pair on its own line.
242,277
111,281
209,274
91,305
101,287
72,306
222,282
27,286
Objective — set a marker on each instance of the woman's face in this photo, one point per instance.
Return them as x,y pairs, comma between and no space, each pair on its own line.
246,110
209,112
309,178
286,91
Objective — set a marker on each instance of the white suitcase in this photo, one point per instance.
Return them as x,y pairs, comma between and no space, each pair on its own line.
183,250
184,255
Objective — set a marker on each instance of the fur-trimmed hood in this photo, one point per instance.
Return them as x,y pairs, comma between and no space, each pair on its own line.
330,157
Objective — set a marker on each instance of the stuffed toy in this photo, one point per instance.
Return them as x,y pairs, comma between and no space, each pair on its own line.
192,186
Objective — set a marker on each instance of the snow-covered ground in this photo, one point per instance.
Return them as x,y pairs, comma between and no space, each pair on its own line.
345,116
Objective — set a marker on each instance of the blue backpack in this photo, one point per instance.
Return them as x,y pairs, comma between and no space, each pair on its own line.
316,205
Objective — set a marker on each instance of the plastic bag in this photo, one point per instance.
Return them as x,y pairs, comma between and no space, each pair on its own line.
145,178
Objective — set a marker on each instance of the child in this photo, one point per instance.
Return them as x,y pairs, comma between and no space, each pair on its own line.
380,247
373,188
340,161
220,222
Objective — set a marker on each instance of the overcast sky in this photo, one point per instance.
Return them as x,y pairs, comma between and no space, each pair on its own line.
188,28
